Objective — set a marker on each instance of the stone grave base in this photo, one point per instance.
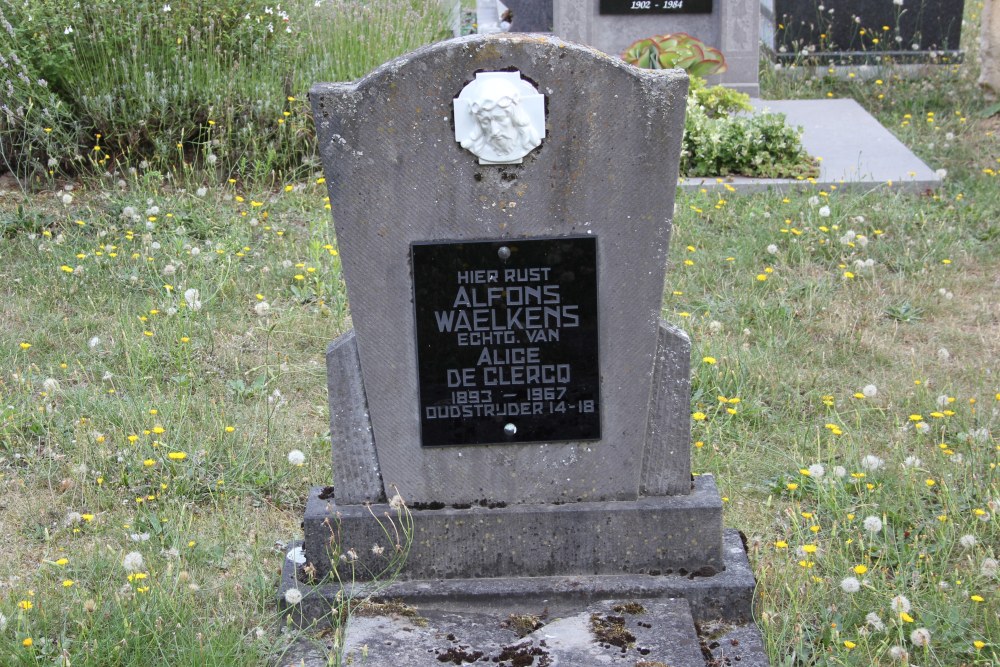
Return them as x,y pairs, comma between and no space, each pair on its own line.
651,535
626,619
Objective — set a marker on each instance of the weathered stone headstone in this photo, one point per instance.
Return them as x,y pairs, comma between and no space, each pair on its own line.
504,244
732,26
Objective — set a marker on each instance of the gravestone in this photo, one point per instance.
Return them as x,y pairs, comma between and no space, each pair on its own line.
853,32
732,26
508,375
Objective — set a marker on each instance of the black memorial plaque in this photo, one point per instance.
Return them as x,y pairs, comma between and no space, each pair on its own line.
507,341
656,7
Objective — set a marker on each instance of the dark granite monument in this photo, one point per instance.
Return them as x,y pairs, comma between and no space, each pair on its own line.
508,376
855,32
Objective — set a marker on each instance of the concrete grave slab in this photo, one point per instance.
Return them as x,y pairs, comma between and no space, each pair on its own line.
856,151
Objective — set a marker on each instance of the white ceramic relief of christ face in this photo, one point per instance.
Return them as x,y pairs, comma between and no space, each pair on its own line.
499,117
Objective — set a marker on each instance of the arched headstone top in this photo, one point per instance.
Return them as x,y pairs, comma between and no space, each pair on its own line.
424,207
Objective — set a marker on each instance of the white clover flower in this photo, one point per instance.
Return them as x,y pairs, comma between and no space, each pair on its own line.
193,298
293,596
872,524
967,541
816,471
921,637
850,585
872,463
132,562
873,620
989,567
296,457
900,604
870,391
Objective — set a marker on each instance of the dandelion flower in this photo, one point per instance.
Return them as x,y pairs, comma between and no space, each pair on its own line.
133,561
27,642
296,457
921,637
293,596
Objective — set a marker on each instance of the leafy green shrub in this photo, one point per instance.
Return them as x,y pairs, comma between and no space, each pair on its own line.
760,145
721,134
171,85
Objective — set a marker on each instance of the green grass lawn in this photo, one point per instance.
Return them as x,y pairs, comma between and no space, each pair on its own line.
162,354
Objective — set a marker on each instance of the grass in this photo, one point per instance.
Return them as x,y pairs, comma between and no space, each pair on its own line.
139,416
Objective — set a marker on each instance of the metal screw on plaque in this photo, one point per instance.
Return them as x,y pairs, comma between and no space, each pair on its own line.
504,253
510,429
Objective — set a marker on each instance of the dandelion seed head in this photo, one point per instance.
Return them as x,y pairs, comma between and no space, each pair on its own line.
296,457
132,562
921,637
872,524
989,567
900,604
874,621
850,585
293,596
870,391
872,463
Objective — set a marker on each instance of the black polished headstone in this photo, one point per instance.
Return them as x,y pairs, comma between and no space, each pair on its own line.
507,341
638,7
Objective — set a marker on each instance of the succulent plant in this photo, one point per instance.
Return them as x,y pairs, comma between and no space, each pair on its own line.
676,50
